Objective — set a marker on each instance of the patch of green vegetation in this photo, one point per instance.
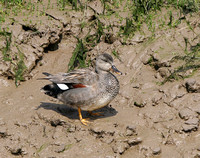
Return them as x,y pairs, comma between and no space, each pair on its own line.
99,32
10,3
188,6
151,24
74,3
129,28
6,50
143,7
173,23
78,56
176,75
94,39
83,24
195,53
139,12
19,68
116,54
150,60
191,62
42,147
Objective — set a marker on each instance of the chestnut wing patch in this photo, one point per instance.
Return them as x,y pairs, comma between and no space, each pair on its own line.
79,85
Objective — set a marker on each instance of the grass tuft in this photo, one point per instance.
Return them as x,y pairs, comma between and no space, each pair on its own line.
78,56
19,68
191,62
5,50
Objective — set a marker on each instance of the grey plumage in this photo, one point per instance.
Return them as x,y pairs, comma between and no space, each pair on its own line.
87,89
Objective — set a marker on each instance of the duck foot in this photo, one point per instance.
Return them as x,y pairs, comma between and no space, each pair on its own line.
83,121
96,113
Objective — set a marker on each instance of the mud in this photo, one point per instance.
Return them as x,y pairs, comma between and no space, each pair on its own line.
146,119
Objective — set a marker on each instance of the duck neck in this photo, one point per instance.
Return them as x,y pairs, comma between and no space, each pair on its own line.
99,71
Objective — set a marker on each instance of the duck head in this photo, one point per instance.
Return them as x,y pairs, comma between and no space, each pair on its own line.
104,63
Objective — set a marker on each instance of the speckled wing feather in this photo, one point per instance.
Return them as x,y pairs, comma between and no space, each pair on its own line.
83,76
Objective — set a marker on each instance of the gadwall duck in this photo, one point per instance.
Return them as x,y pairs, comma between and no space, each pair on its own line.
85,89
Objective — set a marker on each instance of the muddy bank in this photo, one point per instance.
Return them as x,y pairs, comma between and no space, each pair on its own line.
156,113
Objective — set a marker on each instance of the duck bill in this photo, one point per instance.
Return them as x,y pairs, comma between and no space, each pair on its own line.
114,69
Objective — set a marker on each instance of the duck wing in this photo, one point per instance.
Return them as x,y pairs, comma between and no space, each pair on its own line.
79,76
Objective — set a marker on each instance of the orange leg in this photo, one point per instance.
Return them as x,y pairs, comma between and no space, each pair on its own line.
83,121
95,114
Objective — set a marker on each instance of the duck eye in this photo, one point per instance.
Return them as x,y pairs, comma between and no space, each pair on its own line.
105,60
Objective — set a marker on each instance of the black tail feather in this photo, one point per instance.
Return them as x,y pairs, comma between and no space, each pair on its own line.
52,90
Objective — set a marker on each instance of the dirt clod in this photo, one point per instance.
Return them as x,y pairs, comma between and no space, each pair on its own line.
120,147
3,132
186,113
16,149
192,86
156,150
130,130
134,141
189,127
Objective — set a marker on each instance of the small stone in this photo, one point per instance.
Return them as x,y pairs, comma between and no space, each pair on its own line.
134,141
156,150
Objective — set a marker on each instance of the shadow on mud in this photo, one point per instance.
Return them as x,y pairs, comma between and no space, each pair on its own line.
71,113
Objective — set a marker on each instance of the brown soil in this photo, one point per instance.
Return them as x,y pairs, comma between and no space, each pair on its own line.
145,120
